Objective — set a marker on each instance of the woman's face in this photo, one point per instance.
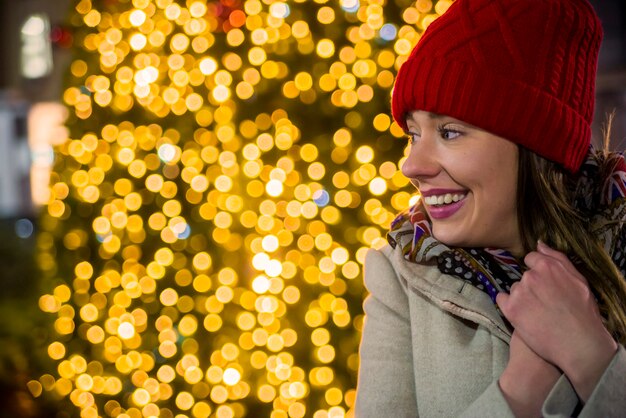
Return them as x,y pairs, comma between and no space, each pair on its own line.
468,181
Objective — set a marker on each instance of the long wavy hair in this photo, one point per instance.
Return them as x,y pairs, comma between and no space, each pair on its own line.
546,211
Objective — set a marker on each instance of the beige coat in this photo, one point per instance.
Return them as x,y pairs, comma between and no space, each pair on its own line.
435,346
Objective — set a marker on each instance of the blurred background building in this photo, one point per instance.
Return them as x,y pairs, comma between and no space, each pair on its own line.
30,73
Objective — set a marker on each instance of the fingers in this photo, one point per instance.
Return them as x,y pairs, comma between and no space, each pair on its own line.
548,261
550,276
544,249
502,300
507,302
514,304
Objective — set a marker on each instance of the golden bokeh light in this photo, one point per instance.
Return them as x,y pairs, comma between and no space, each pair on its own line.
231,163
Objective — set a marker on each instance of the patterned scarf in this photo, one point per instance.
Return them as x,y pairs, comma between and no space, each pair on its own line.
494,270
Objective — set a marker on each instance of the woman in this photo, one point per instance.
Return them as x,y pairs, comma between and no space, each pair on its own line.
502,291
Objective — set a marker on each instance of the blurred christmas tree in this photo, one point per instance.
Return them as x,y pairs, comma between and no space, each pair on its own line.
230,163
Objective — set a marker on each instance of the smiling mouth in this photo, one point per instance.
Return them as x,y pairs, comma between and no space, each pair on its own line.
444,199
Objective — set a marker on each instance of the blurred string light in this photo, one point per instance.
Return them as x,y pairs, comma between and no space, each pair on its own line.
230,164
350,6
24,228
388,32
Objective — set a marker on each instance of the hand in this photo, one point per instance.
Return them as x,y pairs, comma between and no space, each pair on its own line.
527,379
555,314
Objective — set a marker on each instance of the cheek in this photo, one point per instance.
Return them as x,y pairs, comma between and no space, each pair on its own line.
501,169
503,195
495,189
464,167
505,186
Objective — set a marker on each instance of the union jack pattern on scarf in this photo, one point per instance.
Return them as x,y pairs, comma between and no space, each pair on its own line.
605,205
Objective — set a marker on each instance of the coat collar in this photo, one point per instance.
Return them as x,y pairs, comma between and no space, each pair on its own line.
450,293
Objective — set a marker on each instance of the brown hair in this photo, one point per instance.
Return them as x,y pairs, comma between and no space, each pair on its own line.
546,212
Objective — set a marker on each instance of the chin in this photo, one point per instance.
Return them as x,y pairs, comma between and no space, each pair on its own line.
450,238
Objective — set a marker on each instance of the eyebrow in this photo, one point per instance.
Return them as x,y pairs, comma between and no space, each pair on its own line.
438,116
432,115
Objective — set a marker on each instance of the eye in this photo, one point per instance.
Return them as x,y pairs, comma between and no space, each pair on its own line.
412,137
447,133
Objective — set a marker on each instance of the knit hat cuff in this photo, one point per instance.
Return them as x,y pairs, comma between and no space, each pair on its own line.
538,120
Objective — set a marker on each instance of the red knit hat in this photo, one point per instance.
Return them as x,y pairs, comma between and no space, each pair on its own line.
521,69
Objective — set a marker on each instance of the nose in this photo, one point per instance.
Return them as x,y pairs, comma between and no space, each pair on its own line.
422,161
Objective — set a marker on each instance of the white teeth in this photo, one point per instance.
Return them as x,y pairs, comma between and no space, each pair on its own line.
443,199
